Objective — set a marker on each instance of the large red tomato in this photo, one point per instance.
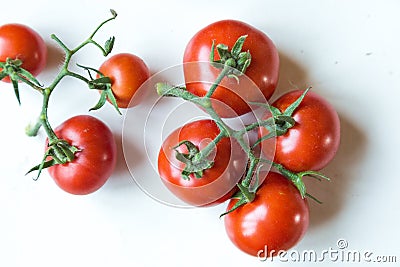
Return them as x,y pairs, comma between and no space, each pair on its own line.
127,73
218,182
262,74
275,220
93,163
18,41
314,139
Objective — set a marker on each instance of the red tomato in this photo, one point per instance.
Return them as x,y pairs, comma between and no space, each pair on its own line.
263,70
95,161
18,41
217,183
314,140
127,72
275,220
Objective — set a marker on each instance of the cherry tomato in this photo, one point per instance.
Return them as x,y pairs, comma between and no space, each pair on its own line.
314,140
127,72
18,41
218,182
93,163
262,74
275,220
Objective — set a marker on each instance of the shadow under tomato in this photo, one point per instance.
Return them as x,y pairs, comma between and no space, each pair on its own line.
291,76
334,194
128,148
131,151
55,57
341,169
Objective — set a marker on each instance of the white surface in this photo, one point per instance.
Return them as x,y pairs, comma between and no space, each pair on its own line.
347,50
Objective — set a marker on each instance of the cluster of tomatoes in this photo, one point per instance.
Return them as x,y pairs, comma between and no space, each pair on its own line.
276,215
23,55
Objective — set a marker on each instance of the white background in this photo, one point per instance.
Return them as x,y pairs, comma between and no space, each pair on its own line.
347,50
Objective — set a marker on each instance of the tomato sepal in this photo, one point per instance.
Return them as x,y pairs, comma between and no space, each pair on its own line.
59,151
106,94
283,121
12,68
108,46
234,62
103,83
297,178
193,165
41,166
242,201
247,191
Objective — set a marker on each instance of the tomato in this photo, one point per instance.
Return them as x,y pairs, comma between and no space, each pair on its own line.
261,76
93,163
218,182
314,139
276,219
18,41
127,72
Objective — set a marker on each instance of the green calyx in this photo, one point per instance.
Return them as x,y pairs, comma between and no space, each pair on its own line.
12,69
193,164
243,197
297,179
282,121
235,60
58,152
103,84
247,187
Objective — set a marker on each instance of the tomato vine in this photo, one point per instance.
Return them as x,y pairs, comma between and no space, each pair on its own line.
234,63
59,151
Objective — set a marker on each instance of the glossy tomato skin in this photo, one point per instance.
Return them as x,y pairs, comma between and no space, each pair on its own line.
19,41
217,183
314,140
95,161
127,72
261,76
276,220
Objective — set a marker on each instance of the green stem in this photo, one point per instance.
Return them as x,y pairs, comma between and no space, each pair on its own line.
223,127
206,151
90,39
70,52
86,42
165,89
31,84
221,76
268,122
63,72
96,44
32,130
243,144
60,43
78,76
60,150
249,174
44,118
114,15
